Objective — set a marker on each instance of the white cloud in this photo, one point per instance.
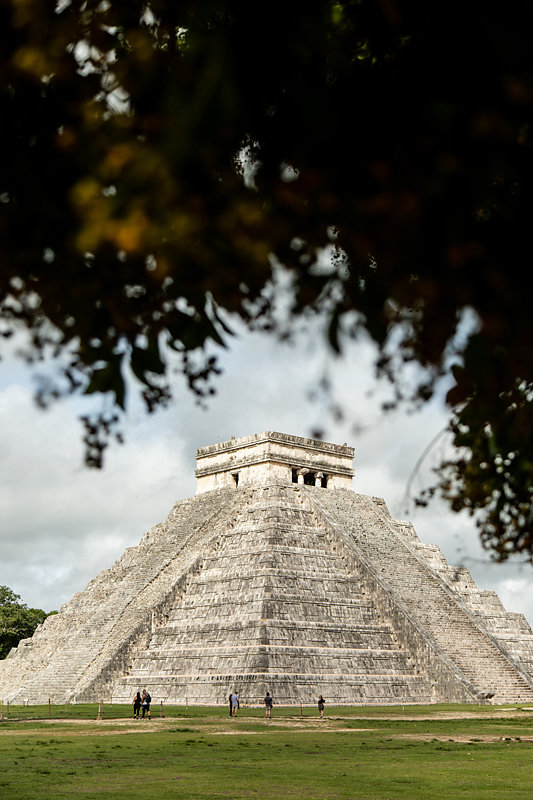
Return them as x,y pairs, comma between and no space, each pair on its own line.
515,594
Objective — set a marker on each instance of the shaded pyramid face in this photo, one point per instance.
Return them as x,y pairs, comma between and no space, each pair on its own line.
277,577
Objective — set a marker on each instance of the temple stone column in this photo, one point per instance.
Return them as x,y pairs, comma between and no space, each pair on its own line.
301,475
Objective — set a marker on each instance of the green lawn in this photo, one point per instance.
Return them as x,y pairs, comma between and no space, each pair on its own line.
424,753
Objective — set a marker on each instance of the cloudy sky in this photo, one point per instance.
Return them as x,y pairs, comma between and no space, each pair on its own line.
61,522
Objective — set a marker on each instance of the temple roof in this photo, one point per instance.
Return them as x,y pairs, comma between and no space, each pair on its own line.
272,457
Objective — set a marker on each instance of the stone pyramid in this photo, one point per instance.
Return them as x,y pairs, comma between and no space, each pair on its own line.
278,577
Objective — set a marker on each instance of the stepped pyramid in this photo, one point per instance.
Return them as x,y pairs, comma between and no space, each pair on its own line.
277,576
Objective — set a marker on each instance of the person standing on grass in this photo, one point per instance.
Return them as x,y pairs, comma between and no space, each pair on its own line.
234,704
146,700
137,702
321,702
268,705
230,705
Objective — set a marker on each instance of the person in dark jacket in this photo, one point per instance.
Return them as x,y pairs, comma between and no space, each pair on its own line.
146,700
268,705
136,705
321,702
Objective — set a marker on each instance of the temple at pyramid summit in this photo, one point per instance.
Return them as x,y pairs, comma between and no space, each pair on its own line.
277,576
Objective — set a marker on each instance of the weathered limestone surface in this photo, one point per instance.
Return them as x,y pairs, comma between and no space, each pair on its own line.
279,605
510,629
282,580
469,639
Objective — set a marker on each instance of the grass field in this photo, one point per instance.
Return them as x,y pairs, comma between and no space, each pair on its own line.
370,753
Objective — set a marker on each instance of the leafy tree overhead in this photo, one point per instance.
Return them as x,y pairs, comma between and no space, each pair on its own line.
158,158
17,621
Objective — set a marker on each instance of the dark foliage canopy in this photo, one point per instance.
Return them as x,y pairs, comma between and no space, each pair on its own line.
17,621
157,158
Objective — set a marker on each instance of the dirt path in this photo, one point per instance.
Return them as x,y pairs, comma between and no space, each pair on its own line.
214,726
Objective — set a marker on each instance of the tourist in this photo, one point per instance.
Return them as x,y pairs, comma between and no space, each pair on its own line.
136,705
234,704
268,705
146,700
229,701
321,702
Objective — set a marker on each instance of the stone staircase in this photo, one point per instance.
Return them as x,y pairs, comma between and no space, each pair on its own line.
456,632
510,629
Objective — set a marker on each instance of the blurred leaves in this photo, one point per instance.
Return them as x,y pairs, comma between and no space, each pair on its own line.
157,158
